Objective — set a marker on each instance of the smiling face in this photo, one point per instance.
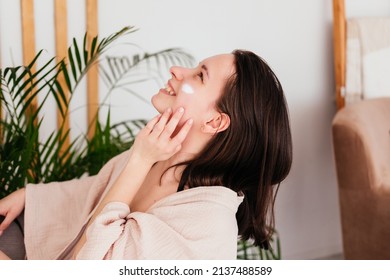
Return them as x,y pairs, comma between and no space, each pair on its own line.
196,89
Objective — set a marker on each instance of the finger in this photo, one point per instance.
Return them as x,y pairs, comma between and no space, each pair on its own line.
181,136
178,148
172,123
150,125
160,125
6,222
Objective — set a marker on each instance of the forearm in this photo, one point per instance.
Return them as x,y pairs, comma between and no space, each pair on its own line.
123,190
128,182
154,143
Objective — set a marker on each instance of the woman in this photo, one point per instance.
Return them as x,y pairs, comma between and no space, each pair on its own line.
197,175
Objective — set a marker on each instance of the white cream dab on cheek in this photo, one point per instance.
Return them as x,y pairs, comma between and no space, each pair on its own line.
186,88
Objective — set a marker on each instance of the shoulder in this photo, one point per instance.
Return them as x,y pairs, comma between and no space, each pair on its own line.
206,211
203,195
201,222
115,164
119,159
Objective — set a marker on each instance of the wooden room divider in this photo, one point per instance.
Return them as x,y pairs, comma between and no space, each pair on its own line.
61,43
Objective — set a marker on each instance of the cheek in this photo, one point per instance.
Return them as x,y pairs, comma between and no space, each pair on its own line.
187,89
187,104
195,108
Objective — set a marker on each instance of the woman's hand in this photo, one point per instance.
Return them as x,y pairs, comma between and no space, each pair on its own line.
157,141
11,206
3,256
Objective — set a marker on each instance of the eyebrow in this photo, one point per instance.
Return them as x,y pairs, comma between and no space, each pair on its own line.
204,67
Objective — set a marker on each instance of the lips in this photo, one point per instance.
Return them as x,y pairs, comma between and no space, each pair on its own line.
169,90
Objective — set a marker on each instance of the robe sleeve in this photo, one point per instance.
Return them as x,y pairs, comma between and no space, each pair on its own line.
56,212
104,231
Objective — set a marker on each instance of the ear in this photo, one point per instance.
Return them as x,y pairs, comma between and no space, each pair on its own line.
218,123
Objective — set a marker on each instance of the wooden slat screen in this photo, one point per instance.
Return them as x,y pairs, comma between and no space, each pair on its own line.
61,33
61,39
339,45
92,75
28,38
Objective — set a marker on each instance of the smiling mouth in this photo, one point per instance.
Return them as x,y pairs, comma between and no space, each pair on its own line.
170,90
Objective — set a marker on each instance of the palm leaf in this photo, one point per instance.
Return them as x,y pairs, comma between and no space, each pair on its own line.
122,72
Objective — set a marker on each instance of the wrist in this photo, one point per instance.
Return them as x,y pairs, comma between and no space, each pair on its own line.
23,191
136,160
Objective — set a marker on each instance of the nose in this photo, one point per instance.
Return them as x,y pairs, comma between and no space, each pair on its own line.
177,72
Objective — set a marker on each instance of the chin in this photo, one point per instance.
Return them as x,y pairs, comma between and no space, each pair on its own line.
158,104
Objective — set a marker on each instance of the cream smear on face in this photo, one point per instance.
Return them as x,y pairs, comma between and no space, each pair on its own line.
186,88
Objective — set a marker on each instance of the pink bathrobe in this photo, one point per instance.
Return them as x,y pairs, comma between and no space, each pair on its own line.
198,223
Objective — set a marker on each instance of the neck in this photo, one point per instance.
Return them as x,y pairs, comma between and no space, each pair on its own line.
191,147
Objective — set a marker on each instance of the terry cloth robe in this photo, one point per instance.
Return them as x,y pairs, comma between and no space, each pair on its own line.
197,223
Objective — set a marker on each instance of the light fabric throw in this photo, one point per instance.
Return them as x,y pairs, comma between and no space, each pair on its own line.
367,59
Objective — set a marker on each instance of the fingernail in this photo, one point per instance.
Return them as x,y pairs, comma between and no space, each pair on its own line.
190,121
169,110
181,110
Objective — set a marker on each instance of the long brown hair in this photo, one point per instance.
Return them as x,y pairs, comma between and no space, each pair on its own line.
254,153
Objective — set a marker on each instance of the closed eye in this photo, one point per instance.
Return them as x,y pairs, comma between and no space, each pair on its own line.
200,75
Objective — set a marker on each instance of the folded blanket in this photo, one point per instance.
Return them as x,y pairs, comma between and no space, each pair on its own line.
367,59
197,223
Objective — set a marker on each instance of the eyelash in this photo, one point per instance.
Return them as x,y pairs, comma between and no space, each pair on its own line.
200,75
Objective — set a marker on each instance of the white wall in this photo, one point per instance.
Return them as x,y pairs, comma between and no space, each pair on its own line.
295,37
